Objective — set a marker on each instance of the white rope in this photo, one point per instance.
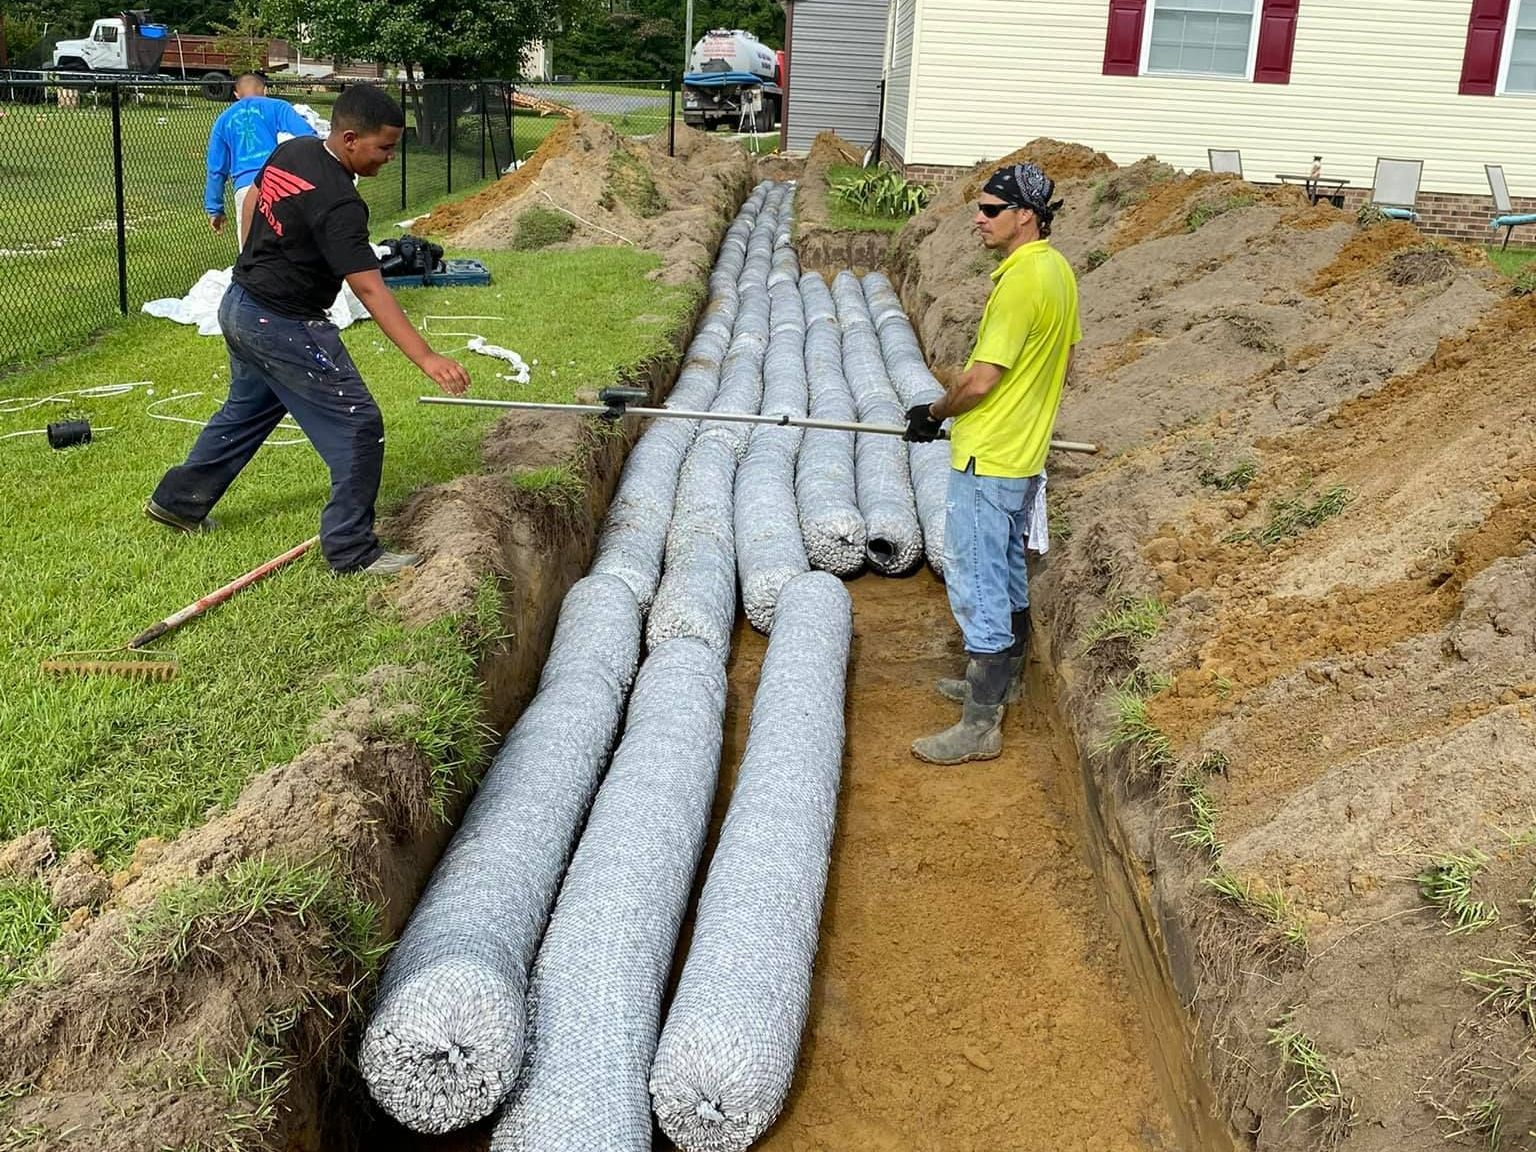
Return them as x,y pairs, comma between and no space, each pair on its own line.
99,392
585,221
284,425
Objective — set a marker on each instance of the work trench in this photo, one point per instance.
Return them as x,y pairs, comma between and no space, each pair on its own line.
747,939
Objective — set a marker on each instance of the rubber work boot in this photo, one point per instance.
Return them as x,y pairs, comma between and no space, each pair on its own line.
191,527
955,688
979,735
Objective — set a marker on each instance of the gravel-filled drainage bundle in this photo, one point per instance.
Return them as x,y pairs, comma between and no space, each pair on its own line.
894,538
595,995
445,1042
728,1050
830,521
914,384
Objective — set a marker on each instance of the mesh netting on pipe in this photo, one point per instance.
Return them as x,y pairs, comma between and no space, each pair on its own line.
825,489
697,596
445,1041
894,542
914,384
595,995
728,1050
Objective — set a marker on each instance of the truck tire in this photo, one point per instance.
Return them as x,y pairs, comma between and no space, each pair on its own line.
78,70
218,86
709,125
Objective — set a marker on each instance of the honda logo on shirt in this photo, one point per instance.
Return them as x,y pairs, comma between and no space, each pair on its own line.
278,185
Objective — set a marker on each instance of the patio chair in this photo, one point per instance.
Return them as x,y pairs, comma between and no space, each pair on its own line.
1506,217
1395,191
1228,160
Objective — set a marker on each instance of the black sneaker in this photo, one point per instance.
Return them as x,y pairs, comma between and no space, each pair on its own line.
192,527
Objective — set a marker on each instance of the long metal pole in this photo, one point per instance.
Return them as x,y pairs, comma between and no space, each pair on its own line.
688,38
712,417
121,198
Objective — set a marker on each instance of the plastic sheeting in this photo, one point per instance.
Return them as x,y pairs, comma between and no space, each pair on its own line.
200,306
445,1042
595,996
728,1050
894,538
908,371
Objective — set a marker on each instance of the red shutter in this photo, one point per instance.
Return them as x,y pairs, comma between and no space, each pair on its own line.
1277,40
1485,42
1122,43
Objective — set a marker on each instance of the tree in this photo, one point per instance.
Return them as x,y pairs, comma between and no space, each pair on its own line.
244,39
643,39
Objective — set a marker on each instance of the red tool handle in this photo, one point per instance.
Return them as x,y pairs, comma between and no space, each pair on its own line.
191,611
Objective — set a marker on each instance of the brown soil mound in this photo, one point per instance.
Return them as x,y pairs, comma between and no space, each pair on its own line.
830,149
1321,462
1060,162
616,190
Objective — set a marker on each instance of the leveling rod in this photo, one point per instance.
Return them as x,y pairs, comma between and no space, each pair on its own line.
617,405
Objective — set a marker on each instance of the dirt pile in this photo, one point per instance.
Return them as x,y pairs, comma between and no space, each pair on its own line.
615,190
1295,605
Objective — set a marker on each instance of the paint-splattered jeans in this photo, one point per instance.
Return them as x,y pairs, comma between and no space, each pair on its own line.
277,366
986,519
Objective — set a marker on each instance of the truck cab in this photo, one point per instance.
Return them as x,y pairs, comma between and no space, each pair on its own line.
124,43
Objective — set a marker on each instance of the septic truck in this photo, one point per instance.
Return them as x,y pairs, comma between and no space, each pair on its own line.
733,79
131,45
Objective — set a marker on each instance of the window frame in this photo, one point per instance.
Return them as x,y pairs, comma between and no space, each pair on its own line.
1145,68
1507,52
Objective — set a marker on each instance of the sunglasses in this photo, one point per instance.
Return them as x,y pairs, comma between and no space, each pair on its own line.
993,211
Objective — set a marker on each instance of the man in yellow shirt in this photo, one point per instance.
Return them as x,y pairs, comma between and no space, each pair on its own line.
1004,408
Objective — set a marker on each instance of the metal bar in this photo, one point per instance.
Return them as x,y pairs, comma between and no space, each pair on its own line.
122,199
672,117
484,117
404,146
712,417
453,124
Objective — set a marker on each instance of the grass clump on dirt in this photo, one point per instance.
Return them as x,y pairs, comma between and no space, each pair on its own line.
104,763
1095,259
1525,282
542,228
1132,618
28,924
1313,1086
1446,882
1234,479
1424,264
238,912
557,487
1203,214
1262,902
1293,515
1199,830
630,181
1509,987
1131,727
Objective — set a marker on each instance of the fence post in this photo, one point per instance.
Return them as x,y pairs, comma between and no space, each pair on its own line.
512,121
404,146
122,204
453,126
672,116
485,116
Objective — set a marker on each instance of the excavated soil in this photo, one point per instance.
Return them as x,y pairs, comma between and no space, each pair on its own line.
1321,462
614,190
823,248
970,993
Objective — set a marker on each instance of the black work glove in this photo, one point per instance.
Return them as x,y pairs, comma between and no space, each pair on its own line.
922,428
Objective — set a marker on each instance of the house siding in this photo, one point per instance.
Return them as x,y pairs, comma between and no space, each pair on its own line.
837,59
1365,82
898,86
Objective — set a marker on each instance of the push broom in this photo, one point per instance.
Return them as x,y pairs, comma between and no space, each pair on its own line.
63,665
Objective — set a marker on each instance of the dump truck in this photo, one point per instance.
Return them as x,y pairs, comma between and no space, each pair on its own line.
733,79
131,45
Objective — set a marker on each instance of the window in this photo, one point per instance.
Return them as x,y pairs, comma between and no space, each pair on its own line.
1520,69
107,34
1204,37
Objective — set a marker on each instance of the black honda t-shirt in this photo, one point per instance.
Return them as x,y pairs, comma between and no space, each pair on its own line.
309,232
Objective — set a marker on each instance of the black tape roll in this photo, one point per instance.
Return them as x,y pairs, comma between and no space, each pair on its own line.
68,433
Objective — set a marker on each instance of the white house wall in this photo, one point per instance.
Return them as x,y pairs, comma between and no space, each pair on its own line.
1369,78
898,86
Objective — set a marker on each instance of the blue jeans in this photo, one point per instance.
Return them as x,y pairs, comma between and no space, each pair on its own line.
279,366
985,523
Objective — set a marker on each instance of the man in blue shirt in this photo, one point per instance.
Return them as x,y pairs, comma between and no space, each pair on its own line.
244,136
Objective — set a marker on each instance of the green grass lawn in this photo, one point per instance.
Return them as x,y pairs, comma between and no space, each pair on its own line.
58,231
106,762
845,219
1513,261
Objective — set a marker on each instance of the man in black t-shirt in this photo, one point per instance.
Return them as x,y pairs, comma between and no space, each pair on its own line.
308,234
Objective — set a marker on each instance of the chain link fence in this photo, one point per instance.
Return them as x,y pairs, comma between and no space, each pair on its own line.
101,183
